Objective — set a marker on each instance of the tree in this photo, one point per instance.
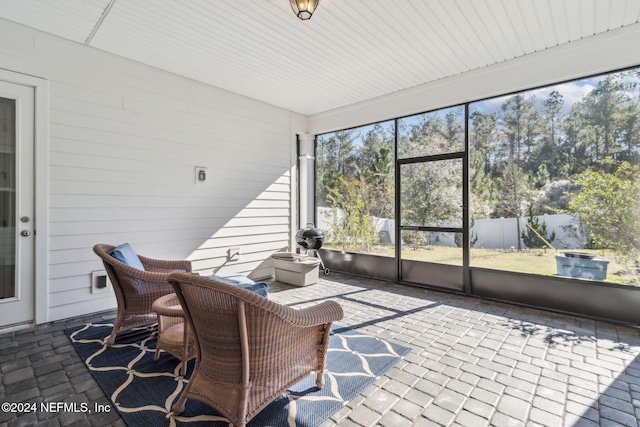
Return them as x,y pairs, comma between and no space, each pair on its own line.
602,107
518,119
431,133
379,176
535,235
554,197
482,187
602,114
541,178
514,193
337,155
574,147
608,204
453,130
432,193
552,113
376,163
630,131
484,134
353,228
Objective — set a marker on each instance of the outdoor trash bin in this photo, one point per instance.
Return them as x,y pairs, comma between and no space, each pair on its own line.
295,269
582,265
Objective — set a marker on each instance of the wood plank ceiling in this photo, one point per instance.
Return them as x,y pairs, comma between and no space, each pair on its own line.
350,51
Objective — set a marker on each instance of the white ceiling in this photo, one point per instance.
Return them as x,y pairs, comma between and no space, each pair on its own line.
350,50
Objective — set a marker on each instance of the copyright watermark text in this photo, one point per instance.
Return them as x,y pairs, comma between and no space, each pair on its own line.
53,407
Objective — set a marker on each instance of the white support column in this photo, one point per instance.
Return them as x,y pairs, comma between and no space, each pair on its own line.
307,178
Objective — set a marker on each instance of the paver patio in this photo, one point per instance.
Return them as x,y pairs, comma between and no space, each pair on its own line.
473,363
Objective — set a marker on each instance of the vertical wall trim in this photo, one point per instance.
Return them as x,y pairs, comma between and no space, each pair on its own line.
296,224
306,160
466,208
398,233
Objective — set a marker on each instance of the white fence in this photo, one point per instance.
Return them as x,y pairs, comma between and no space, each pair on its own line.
494,233
502,233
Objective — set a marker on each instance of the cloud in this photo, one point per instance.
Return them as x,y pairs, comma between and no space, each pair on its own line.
571,92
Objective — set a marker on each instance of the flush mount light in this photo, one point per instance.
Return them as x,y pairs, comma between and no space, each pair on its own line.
304,8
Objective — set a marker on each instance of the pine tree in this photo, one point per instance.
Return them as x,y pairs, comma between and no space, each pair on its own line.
535,235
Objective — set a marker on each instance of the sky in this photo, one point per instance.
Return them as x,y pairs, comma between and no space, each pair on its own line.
571,92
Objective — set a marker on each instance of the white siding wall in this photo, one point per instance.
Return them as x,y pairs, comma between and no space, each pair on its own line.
124,141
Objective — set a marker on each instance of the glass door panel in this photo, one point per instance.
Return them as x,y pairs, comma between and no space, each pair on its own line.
431,221
431,134
431,194
17,247
7,198
429,246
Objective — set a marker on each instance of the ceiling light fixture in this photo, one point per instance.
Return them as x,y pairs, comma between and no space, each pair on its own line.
304,8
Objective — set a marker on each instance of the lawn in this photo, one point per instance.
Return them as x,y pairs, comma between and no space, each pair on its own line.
534,261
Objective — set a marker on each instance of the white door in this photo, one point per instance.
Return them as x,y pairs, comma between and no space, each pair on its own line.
16,204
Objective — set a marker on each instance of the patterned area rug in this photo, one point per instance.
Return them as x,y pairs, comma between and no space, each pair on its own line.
143,391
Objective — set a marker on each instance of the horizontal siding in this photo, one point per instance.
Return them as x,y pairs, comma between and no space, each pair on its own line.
61,308
124,143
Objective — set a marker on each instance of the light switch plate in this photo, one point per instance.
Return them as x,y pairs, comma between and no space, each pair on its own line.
201,175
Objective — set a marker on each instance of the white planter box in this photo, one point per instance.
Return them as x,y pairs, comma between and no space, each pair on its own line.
582,265
298,273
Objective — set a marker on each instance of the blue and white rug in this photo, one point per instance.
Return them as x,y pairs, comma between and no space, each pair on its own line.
143,391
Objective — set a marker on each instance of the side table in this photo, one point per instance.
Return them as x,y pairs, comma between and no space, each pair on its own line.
174,334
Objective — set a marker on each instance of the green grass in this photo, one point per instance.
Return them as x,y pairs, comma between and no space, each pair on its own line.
534,261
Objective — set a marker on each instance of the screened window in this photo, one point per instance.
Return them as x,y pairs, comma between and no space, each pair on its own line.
555,178
551,187
355,188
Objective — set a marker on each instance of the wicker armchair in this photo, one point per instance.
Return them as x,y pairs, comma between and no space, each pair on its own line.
249,349
136,290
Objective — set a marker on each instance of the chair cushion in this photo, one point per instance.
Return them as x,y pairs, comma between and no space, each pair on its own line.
243,282
233,279
125,253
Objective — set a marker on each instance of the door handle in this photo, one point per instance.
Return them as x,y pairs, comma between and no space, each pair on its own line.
25,233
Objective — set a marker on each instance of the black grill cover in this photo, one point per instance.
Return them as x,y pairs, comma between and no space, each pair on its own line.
310,238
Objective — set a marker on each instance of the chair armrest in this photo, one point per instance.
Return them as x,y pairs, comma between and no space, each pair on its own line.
165,266
325,312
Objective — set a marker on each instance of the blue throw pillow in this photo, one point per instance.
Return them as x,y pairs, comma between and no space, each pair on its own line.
243,282
259,288
233,279
125,253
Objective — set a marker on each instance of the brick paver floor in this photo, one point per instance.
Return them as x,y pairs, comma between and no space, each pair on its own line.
473,363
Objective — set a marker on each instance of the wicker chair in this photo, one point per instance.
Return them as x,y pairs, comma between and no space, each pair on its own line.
136,290
249,349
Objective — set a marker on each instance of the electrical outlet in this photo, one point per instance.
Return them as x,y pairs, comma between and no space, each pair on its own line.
100,282
233,254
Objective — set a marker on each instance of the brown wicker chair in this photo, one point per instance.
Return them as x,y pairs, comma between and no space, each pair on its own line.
136,290
249,349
